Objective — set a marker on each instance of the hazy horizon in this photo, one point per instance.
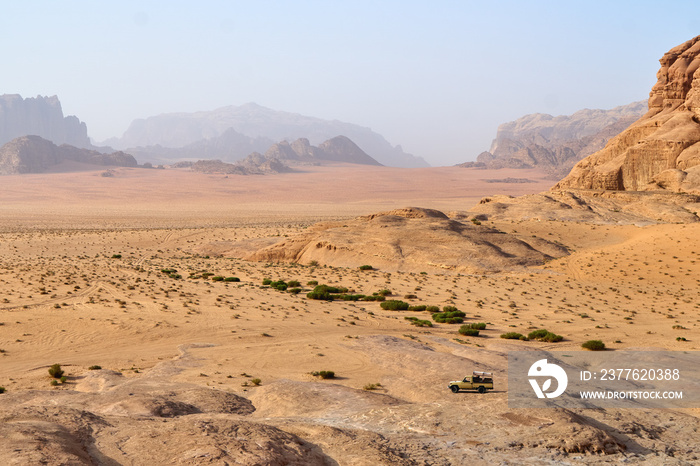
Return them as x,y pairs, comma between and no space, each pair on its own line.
436,79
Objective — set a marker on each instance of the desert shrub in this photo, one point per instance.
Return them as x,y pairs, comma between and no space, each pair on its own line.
94,368
312,282
313,263
320,295
419,322
372,386
294,290
536,334
432,309
449,309
544,335
594,345
116,256
418,308
232,279
207,274
293,284
2,389
514,336
175,276
266,282
54,382
477,326
410,296
217,278
63,379
351,297
449,317
255,382
475,221
168,271
324,374
383,292
374,298
394,305
366,267
55,371
330,289
468,331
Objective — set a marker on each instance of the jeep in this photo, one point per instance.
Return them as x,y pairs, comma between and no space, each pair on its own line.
479,381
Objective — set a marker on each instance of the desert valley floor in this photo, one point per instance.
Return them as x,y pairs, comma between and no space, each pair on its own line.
82,284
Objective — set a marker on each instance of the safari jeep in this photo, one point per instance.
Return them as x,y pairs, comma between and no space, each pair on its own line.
479,381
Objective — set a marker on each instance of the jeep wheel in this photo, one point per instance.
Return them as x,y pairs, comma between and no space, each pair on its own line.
482,389
454,388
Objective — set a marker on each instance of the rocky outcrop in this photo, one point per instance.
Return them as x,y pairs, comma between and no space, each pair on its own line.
178,130
33,154
40,116
555,144
660,151
337,149
254,164
412,239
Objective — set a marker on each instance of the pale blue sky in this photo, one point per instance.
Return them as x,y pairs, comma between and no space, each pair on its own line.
436,77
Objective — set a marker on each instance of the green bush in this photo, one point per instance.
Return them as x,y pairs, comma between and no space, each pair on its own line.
330,289
55,371
232,279
514,336
63,379
449,317
432,309
419,308
267,281
217,278
419,322
94,368
544,335
467,331
312,282
116,256
320,296
374,298
293,284
54,382
324,374
449,309
168,271
384,292
477,326
594,345
366,267
255,382
394,305
351,297
2,389
294,290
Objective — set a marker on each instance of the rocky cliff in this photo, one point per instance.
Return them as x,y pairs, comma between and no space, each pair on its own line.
33,154
178,130
661,150
40,116
555,144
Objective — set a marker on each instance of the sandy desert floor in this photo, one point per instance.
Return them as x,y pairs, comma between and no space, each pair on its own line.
81,284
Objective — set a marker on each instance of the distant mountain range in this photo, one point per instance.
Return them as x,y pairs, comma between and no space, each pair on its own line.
556,144
231,133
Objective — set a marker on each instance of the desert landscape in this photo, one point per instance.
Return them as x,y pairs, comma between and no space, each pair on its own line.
310,305
117,272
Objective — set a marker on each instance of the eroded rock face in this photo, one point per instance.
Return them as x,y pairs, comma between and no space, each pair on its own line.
661,150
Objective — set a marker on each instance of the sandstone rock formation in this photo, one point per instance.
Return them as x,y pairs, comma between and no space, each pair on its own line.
661,151
41,116
254,164
337,149
178,130
412,239
555,144
33,154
